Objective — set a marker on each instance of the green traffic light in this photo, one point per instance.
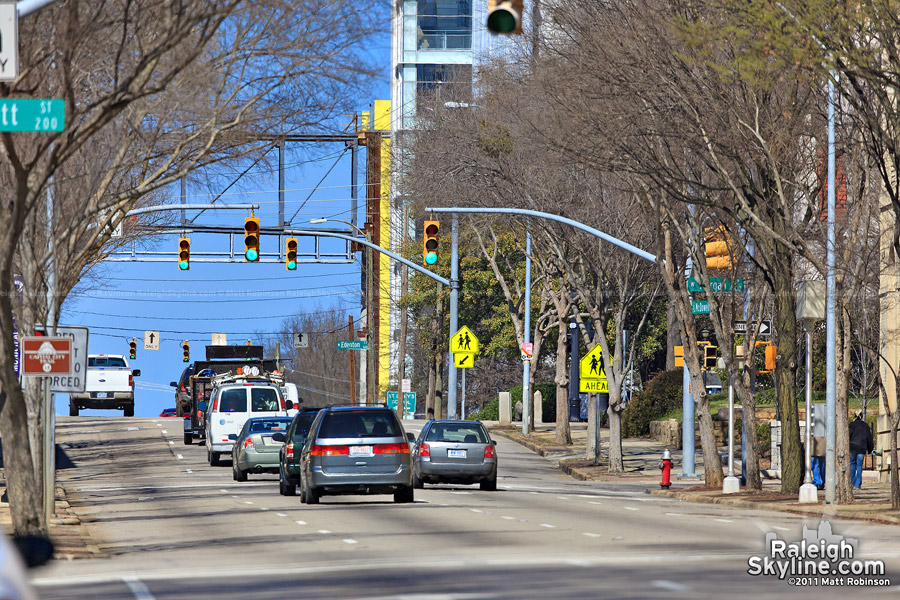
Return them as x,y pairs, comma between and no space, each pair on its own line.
501,21
183,265
431,258
292,265
251,254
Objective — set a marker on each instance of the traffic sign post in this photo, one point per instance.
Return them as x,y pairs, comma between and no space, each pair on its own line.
353,345
591,376
31,114
409,403
463,360
717,285
220,339
741,327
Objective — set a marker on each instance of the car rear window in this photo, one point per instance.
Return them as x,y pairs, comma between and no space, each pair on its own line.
304,420
233,400
106,361
269,425
460,433
359,423
263,399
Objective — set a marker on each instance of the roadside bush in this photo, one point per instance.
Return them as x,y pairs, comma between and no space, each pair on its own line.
661,394
548,399
490,412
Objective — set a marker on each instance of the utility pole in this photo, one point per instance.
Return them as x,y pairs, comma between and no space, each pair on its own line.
373,232
404,285
352,355
454,304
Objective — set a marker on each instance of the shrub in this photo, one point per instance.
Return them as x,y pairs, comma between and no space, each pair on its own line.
661,394
548,399
763,436
490,412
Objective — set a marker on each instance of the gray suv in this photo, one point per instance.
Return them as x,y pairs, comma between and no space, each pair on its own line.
356,450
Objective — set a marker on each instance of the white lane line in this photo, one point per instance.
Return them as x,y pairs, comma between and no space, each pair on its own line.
630,508
248,502
223,491
324,531
132,429
476,510
548,525
563,497
188,471
164,431
235,496
300,522
180,457
593,535
280,514
780,528
349,541
509,518
674,514
263,508
171,443
138,589
159,424
671,586
592,502
724,520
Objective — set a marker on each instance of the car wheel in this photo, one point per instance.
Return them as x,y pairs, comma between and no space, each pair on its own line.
404,494
236,471
73,410
188,439
128,411
417,483
489,484
287,486
213,458
311,494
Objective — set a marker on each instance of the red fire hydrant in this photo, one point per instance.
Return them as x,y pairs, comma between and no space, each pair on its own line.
666,465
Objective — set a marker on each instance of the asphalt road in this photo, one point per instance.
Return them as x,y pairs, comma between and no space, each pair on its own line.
173,527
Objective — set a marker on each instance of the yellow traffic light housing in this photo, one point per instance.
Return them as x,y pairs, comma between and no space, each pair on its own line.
290,254
132,352
710,357
679,356
251,239
184,254
771,355
430,242
186,351
505,16
718,248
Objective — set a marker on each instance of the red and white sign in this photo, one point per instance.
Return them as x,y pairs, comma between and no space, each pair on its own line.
527,349
44,356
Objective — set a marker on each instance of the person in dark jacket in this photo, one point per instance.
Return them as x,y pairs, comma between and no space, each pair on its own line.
861,443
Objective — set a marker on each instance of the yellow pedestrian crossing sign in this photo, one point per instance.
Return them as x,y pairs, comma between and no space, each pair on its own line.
591,376
463,360
464,341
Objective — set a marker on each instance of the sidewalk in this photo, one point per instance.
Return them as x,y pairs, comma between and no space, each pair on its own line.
641,457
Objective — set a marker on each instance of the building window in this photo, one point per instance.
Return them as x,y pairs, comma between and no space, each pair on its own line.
444,25
443,83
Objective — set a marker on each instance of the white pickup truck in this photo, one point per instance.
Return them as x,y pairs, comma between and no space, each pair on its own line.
109,385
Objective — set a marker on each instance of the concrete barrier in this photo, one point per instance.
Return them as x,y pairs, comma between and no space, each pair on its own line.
667,433
538,408
505,408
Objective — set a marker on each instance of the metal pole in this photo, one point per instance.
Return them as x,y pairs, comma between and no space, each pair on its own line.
730,429
687,425
526,365
354,151
462,394
370,321
49,444
808,478
830,307
281,222
183,201
454,305
596,428
352,354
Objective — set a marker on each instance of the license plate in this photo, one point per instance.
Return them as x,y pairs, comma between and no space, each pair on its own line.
361,451
456,453
101,394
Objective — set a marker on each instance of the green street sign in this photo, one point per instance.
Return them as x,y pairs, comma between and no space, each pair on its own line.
717,285
28,114
409,402
353,345
700,307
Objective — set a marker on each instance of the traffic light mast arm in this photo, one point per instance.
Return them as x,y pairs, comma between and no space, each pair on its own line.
150,209
542,215
377,248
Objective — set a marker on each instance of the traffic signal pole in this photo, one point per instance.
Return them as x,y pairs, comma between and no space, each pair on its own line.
454,309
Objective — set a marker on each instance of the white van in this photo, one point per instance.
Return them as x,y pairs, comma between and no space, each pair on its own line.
231,406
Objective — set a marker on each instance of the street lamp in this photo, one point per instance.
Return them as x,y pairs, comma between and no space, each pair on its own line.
370,317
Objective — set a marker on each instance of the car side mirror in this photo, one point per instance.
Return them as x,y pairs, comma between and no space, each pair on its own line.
289,405
410,438
232,436
278,437
173,384
494,442
136,373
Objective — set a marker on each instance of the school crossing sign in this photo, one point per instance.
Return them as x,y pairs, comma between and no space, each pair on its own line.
591,376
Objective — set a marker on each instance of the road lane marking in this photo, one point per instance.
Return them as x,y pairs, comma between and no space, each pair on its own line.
597,503
548,525
671,586
144,498
248,502
159,424
263,508
349,541
508,518
138,589
724,520
223,491
476,510
324,531
171,443
164,431
280,514
188,471
674,514
300,522
180,457
780,528
593,535
132,429
630,508
563,497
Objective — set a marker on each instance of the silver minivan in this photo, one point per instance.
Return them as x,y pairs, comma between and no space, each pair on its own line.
356,450
230,407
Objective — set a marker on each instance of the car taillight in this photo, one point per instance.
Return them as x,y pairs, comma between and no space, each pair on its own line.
329,450
131,381
425,450
183,390
489,451
248,442
186,415
391,449
199,414
289,450
215,404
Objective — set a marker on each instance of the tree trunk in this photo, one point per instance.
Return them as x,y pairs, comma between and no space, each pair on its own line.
843,486
23,487
673,335
712,464
563,433
439,385
786,370
616,464
751,448
895,476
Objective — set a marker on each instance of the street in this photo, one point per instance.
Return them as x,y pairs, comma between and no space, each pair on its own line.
173,527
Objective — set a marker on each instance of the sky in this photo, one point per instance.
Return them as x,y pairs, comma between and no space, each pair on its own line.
243,300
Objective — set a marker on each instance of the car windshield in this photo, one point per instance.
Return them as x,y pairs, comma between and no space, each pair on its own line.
233,400
269,425
359,423
457,432
263,399
106,361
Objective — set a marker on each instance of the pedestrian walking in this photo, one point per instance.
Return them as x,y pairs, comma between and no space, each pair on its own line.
861,443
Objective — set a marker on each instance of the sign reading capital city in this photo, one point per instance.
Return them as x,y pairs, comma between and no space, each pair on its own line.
464,346
591,376
45,356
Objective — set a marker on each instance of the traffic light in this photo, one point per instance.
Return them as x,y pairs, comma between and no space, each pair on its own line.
132,352
251,239
710,357
184,254
186,351
718,248
290,255
505,16
771,354
430,242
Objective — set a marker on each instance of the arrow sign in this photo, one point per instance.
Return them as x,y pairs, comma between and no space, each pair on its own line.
301,340
151,340
464,360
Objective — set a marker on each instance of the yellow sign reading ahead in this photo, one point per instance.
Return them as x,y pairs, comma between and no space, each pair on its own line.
464,341
463,360
592,377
